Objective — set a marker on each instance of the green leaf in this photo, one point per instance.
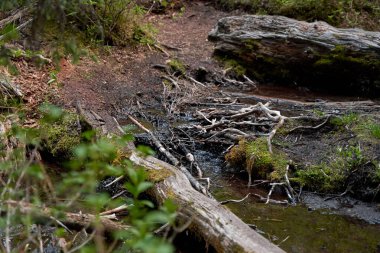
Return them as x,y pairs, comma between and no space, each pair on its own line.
143,186
9,33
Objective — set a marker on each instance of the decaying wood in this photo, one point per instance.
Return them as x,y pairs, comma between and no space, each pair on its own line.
9,89
69,219
218,226
311,54
15,16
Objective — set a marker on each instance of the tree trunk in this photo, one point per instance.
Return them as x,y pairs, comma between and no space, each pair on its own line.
217,225
317,55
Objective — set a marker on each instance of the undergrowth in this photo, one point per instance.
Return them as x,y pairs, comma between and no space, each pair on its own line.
27,180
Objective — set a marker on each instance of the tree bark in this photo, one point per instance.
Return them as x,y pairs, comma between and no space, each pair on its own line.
217,225
284,50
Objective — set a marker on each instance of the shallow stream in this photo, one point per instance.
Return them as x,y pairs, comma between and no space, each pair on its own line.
337,225
315,226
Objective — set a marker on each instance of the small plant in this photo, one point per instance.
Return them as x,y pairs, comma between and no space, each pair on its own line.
28,181
346,120
375,130
53,77
319,113
145,34
177,66
351,157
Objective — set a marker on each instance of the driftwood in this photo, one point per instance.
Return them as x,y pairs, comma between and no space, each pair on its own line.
275,48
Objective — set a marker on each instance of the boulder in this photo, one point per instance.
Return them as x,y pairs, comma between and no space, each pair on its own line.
287,51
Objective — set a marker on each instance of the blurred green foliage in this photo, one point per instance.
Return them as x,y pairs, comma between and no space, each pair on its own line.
25,178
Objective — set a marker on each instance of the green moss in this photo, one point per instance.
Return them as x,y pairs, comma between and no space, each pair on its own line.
156,176
367,129
61,137
332,176
375,130
177,66
234,66
266,165
321,178
345,120
342,55
236,157
255,154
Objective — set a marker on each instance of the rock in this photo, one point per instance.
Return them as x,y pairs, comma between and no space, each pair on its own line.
287,51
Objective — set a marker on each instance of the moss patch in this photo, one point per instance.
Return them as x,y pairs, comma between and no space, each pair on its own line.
177,66
256,154
60,138
156,176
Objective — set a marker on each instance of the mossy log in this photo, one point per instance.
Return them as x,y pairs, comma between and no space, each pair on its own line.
217,225
317,55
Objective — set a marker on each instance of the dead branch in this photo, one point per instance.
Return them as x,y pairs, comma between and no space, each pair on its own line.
175,83
161,49
291,192
311,127
195,81
273,132
234,200
20,27
171,158
115,210
69,219
271,201
10,89
17,15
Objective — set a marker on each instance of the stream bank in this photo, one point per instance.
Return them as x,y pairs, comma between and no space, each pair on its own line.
132,84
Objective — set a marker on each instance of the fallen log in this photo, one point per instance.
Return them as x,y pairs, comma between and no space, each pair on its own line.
218,226
317,55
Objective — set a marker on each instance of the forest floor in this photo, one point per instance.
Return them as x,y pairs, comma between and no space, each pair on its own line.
124,77
108,86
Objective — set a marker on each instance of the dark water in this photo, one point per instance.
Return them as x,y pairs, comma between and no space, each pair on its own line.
296,229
